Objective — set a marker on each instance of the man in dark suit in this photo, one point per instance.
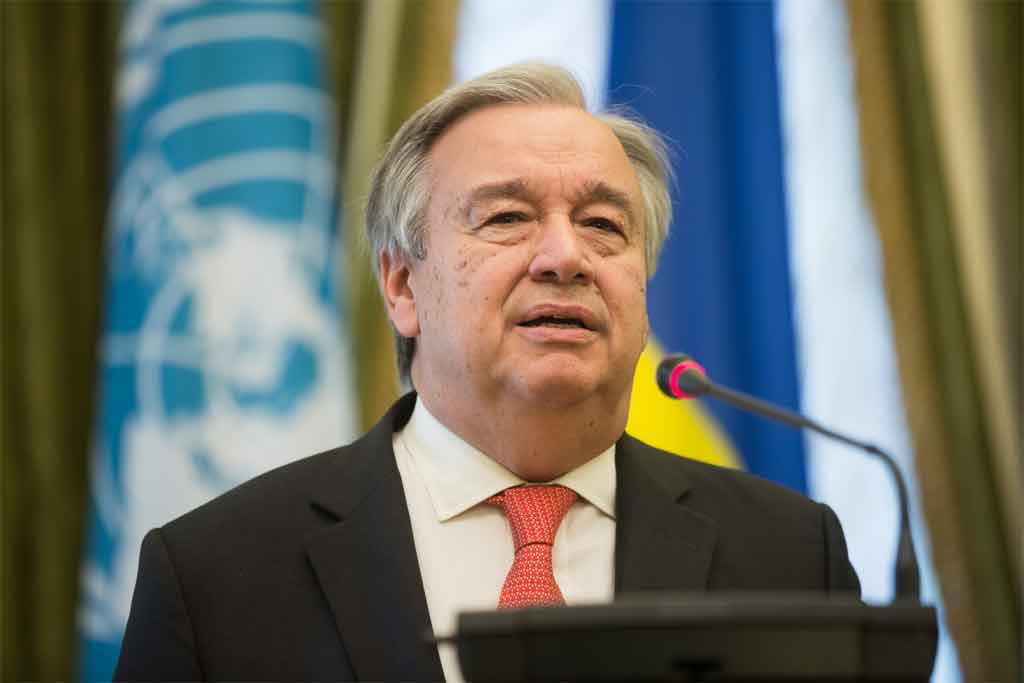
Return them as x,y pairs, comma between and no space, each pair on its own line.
514,233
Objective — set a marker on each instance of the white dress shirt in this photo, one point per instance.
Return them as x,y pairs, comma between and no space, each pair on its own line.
464,546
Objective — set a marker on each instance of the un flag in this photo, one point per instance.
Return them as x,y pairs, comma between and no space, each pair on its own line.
223,354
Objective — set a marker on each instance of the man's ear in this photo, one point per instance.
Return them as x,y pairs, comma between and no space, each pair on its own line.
399,298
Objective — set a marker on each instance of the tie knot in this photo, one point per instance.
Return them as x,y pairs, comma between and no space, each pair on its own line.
534,512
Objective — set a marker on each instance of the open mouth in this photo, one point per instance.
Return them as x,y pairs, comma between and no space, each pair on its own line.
555,321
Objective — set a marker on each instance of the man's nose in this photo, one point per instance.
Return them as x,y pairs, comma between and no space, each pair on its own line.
561,255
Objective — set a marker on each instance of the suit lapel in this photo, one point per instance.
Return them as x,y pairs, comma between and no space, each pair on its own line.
660,544
366,562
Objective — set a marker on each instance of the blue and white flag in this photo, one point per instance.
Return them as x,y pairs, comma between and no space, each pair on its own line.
223,354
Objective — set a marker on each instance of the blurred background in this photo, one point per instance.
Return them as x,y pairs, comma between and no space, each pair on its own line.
187,300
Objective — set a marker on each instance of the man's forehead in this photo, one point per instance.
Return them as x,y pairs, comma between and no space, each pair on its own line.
541,127
511,151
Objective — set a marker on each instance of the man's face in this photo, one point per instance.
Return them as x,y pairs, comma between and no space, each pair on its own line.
533,285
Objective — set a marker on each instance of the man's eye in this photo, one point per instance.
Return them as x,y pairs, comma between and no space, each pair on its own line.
506,218
603,224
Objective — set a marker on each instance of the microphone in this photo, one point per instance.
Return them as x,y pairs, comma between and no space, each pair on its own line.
679,376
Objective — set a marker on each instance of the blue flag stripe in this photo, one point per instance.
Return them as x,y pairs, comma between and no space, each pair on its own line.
704,75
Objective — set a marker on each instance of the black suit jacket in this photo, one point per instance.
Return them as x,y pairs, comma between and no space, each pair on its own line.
309,572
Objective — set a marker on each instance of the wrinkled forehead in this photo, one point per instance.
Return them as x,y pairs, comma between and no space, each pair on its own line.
516,149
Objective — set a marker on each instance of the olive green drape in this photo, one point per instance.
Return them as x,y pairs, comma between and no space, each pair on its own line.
403,61
58,66
939,90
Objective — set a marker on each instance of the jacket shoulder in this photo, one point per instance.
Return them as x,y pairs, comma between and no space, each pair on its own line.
288,494
768,536
706,481
266,493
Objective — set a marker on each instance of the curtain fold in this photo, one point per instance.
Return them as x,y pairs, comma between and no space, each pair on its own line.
58,67
976,175
403,60
947,390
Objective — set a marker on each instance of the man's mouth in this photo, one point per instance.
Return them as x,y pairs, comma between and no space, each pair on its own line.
555,321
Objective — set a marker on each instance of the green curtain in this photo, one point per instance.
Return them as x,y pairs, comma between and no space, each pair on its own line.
58,67
403,61
908,136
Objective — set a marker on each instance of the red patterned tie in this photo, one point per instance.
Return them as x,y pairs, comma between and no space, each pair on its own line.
534,513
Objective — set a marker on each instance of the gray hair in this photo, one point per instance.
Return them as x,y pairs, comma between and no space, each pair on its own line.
396,210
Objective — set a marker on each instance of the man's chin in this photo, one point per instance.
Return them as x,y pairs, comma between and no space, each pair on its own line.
561,387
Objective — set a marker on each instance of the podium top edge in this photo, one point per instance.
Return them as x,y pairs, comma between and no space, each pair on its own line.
677,610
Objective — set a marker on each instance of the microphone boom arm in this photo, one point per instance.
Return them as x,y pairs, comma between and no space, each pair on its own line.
907,578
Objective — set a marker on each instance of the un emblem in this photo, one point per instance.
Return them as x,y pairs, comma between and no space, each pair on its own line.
223,355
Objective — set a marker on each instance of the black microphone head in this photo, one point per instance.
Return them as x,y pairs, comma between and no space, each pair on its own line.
679,376
663,375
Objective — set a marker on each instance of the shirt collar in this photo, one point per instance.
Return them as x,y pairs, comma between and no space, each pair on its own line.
457,476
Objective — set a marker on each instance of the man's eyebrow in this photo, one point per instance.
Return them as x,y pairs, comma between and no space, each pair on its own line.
600,192
516,188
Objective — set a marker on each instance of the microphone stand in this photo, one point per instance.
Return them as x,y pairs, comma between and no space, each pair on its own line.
692,382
